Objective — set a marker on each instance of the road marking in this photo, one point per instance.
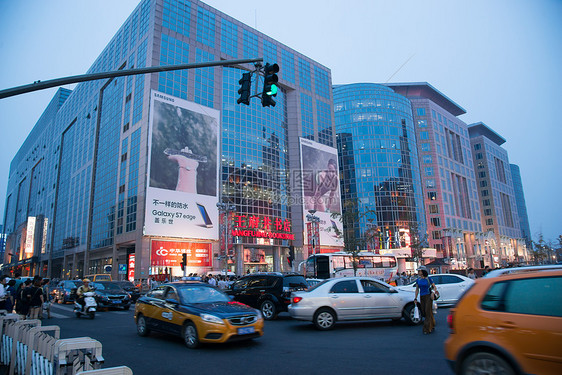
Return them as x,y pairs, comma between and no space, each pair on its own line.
60,316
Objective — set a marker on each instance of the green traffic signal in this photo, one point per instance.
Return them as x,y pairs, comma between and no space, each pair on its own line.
269,85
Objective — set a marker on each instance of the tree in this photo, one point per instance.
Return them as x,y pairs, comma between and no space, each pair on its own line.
418,242
540,250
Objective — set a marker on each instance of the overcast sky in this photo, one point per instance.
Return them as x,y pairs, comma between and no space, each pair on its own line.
500,60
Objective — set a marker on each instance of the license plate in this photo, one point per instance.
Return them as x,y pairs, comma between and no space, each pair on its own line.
246,330
115,301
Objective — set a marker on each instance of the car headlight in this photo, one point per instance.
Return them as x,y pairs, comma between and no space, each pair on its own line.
211,319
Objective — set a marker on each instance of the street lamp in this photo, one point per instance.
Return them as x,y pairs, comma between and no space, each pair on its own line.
225,208
314,220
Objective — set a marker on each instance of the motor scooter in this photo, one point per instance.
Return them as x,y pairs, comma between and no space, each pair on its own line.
90,306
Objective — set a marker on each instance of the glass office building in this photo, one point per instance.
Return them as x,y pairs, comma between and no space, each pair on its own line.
521,205
78,183
379,167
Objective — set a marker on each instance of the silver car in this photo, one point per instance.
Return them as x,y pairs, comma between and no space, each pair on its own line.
352,298
450,286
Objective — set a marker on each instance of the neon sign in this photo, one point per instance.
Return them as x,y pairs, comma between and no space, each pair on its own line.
262,227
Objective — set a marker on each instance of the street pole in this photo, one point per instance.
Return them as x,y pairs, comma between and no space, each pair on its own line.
41,85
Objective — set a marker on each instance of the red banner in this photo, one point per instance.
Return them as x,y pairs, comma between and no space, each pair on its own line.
169,254
131,275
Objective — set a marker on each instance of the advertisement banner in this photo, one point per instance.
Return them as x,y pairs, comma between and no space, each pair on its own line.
30,235
182,189
169,254
321,190
131,262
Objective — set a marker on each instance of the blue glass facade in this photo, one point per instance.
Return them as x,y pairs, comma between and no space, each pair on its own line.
379,165
521,205
83,168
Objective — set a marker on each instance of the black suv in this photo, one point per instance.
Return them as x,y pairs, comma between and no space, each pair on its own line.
270,292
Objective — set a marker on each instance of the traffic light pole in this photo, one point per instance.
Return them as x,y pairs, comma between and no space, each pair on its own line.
41,85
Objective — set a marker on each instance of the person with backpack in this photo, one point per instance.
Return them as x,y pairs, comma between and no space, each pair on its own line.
34,295
22,305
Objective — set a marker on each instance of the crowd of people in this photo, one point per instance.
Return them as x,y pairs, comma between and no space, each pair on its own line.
220,281
29,298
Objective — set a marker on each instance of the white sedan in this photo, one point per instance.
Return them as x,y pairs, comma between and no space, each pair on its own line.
450,286
352,298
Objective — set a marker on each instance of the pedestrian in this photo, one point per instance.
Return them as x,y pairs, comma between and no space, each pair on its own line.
46,298
486,270
212,281
404,278
34,294
471,274
11,300
3,292
424,283
21,303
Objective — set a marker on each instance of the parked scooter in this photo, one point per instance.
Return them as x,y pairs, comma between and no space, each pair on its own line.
90,306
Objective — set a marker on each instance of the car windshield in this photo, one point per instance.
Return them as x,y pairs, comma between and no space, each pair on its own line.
318,284
201,294
73,284
108,287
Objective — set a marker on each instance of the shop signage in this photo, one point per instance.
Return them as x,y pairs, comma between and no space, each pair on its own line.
262,227
169,254
131,274
30,235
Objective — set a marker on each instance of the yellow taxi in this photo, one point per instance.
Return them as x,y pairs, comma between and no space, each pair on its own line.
509,324
197,312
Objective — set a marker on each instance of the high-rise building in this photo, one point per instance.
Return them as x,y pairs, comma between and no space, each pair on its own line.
379,168
447,173
79,183
500,219
521,205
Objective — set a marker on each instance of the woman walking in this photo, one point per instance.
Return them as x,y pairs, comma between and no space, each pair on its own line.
423,288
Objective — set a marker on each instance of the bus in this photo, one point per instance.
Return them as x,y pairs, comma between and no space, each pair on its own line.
340,264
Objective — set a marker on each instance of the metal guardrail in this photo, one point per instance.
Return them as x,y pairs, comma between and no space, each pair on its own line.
27,348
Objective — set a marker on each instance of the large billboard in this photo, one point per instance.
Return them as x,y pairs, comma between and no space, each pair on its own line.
321,192
170,253
182,189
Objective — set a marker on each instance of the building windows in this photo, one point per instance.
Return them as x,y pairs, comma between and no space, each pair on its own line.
425,146
477,146
229,38
422,123
490,221
307,117
250,44
500,171
433,208
304,74
427,159
506,208
432,195
486,202
324,123
435,221
454,146
287,73
420,111
430,183
484,193
429,171
482,174
483,183
436,234
206,27
321,81
424,135
479,156
487,212
176,16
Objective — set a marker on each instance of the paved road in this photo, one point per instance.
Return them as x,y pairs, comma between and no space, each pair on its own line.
288,346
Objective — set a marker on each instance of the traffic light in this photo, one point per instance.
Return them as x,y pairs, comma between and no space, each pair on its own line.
183,261
269,84
245,88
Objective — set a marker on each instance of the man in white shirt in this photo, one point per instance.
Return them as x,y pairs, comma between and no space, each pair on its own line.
3,292
212,280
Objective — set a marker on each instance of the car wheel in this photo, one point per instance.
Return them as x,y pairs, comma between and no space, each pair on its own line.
268,310
409,315
485,363
324,319
190,336
142,329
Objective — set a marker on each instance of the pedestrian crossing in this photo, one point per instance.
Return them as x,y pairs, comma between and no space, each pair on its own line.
66,311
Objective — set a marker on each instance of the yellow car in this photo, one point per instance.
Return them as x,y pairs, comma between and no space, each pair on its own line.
197,312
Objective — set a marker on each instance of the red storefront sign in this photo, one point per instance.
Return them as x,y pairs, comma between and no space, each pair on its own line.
169,254
261,226
131,273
